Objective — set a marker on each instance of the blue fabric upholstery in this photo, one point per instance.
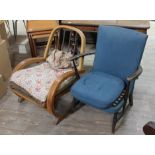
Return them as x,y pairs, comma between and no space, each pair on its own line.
98,89
119,51
118,55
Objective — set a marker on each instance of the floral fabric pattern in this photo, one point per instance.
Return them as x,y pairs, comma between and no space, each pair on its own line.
59,59
38,80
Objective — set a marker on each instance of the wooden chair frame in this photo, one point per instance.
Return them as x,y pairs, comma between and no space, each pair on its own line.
50,102
125,95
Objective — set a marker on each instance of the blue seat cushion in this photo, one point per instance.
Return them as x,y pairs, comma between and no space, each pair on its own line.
98,89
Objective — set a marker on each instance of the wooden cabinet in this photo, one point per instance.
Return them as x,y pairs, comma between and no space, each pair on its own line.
92,25
37,29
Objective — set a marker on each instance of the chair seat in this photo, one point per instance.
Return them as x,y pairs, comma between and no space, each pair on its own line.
98,89
37,80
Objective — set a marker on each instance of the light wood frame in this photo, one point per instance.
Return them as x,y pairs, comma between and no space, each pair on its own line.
50,102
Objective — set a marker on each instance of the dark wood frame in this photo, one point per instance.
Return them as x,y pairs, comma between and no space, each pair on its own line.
125,95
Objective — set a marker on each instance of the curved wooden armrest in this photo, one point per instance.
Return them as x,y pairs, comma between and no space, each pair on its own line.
81,55
60,79
67,75
55,86
135,75
28,62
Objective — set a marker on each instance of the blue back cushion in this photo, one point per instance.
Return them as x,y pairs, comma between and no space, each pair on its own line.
118,50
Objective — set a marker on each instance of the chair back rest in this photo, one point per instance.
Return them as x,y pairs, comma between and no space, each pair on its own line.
118,51
76,41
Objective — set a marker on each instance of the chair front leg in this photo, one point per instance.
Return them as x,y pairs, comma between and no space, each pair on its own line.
131,99
114,122
20,99
118,115
75,105
68,112
126,97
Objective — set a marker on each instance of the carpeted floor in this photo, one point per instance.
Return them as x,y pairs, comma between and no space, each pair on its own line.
27,118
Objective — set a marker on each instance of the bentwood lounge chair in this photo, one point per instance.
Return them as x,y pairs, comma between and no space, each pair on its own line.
116,67
34,80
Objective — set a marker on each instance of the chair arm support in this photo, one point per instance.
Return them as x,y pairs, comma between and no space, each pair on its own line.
135,75
53,90
28,62
81,55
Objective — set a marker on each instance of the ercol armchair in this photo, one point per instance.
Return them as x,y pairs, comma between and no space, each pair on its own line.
116,67
35,81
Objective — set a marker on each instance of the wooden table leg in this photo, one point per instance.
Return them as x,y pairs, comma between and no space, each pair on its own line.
34,47
33,53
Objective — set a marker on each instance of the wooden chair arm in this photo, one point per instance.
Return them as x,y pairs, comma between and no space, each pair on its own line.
81,55
53,90
136,74
28,62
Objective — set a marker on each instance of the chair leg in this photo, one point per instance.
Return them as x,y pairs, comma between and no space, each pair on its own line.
8,26
118,115
15,28
67,112
75,105
20,99
60,119
24,23
131,99
114,122
13,23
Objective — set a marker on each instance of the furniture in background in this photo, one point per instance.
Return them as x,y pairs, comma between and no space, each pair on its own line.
116,66
3,33
8,26
38,29
42,84
149,128
5,66
92,25
15,27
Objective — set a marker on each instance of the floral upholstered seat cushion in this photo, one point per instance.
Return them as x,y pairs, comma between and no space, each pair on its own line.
37,80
